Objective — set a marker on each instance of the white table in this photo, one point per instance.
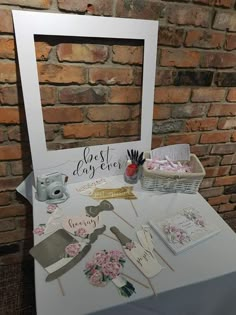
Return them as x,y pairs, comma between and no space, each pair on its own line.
203,283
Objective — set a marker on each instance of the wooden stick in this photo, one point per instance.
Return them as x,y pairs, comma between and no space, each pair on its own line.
163,259
61,287
135,211
152,287
144,285
114,239
123,219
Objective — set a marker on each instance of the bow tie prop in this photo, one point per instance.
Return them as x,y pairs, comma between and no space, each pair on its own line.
104,205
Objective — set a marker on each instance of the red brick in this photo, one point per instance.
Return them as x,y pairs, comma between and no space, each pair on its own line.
212,192
230,43
208,94
127,95
218,200
179,58
4,198
8,71
110,76
95,7
135,111
82,53
83,95
124,129
186,15
52,73
233,171
3,169
189,110
10,152
210,160
51,131
127,54
226,148
215,137
61,114
231,97
172,94
6,23
13,210
20,167
85,131
156,142
217,171
222,109
206,183
165,77
39,4
218,60
182,138
233,136
13,236
170,36
9,115
227,207
10,183
227,160
108,113
227,123
201,124
217,3
16,133
7,225
225,180
204,39
9,95
200,150
2,134
7,48
145,9
161,112
225,21
48,95
42,50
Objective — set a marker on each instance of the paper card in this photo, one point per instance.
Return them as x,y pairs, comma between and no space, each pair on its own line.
176,152
184,230
81,226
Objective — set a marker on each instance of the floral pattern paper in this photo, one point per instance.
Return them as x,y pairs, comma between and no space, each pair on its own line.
184,229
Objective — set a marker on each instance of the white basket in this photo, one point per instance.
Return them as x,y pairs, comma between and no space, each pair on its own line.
172,181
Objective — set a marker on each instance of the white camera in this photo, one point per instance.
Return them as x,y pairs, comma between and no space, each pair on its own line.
51,188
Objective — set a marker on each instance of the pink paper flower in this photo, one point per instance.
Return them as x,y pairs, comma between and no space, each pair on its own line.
73,249
81,232
111,269
101,258
96,279
116,255
39,230
129,245
51,208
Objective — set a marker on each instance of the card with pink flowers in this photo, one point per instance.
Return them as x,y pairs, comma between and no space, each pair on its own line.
183,230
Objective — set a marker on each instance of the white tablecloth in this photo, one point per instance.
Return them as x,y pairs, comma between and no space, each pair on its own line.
204,280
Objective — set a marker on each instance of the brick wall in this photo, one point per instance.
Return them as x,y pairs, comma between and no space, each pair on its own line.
195,96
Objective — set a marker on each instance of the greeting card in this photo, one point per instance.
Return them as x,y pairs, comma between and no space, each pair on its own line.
184,229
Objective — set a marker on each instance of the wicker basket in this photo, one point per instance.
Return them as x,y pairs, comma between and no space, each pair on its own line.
172,181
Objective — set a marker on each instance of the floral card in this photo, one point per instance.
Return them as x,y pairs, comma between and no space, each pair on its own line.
184,230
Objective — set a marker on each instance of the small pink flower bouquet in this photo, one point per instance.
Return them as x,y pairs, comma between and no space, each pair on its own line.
106,266
72,249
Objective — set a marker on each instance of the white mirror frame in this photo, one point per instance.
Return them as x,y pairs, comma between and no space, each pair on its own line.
81,164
